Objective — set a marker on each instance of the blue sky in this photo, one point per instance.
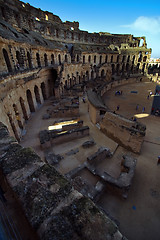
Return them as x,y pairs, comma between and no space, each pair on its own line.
140,18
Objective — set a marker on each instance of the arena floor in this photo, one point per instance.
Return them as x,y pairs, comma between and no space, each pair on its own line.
138,216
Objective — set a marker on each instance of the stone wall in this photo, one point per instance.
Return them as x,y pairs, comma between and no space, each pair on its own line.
49,138
37,47
127,133
52,207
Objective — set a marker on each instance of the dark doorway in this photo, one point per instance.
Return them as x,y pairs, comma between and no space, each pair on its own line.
30,101
29,60
37,95
17,116
45,60
43,89
13,127
38,60
6,58
23,108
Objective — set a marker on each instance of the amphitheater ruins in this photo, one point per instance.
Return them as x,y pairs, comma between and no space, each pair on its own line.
71,156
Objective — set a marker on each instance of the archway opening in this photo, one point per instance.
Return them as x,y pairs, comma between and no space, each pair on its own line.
37,95
13,127
30,101
23,108
38,60
6,58
43,89
29,60
17,116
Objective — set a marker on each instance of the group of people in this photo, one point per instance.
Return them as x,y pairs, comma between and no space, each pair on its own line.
118,92
137,108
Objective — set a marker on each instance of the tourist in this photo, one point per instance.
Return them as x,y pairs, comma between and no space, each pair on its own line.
143,110
118,108
137,107
148,97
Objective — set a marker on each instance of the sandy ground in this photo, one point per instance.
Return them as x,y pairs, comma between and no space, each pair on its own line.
139,215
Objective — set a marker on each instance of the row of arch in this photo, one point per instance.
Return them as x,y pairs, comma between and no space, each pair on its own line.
116,69
20,60
91,59
19,113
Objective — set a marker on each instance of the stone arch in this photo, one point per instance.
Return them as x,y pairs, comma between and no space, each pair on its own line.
13,127
132,68
124,58
51,82
106,58
100,59
19,58
117,58
133,59
52,59
117,68
66,58
38,60
144,58
113,69
92,75
87,75
123,67
59,59
29,60
17,116
83,59
140,57
128,59
37,95
45,60
143,68
138,65
112,59
77,58
102,73
127,67
23,108
30,101
95,59
89,58
43,89
6,58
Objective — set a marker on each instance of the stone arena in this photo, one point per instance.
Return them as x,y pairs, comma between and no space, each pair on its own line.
79,133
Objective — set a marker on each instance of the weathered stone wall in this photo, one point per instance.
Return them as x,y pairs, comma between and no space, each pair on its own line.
127,133
49,138
32,40
52,207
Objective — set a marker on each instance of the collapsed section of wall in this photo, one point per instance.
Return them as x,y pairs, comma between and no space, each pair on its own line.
127,133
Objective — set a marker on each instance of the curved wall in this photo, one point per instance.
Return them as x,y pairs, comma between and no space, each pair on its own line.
41,56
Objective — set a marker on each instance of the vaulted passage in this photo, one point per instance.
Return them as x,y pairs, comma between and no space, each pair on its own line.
23,108
17,116
38,60
5,54
43,88
13,127
37,95
30,101
29,60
